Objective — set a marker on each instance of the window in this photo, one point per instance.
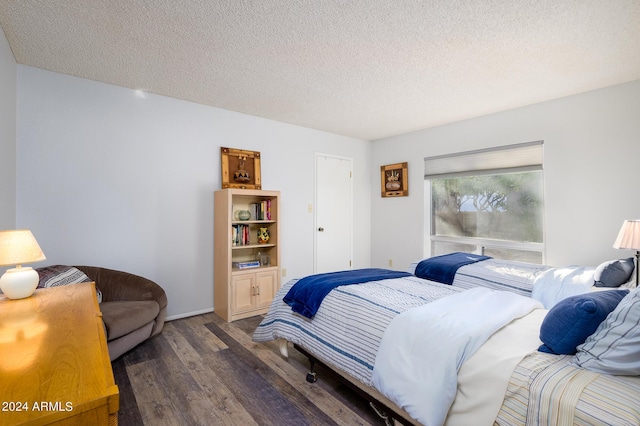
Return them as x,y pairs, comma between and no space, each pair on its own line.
488,202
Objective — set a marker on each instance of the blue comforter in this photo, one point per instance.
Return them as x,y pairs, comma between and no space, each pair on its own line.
443,268
307,294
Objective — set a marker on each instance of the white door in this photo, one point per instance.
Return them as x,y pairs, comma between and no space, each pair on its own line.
334,217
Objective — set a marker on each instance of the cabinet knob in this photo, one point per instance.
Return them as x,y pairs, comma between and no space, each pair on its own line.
321,229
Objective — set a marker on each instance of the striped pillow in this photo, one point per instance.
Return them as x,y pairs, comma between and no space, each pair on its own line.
59,275
614,348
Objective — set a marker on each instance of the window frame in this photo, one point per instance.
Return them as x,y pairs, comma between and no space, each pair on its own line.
528,157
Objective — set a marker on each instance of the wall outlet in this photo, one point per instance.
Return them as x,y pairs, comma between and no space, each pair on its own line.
310,208
284,272
390,262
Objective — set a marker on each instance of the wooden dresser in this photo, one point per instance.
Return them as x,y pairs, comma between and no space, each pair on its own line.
54,362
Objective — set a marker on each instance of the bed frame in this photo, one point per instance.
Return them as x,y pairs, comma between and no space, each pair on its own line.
385,408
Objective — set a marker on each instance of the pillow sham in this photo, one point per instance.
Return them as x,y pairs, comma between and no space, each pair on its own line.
615,346
572,320
613,273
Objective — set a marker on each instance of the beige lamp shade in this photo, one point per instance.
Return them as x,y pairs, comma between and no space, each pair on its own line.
629,236
18,247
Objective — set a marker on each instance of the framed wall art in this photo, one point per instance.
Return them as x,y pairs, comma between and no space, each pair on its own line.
394,180
240,168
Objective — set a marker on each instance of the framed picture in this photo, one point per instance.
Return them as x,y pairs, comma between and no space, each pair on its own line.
394,180
240,168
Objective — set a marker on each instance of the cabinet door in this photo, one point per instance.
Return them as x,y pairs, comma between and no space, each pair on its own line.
267,286
242,291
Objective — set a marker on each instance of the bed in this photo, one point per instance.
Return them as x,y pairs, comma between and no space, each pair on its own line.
466,352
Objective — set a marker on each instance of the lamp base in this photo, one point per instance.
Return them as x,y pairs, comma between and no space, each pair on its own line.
18,283
637,268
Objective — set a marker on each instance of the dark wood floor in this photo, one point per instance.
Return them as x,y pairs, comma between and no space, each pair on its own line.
204,371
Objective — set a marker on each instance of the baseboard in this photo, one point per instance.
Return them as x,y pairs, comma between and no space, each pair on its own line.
188,314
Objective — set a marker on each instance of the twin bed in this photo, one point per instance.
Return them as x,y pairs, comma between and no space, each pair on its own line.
466,352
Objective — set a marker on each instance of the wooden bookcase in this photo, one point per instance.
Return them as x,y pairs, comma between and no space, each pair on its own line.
241,293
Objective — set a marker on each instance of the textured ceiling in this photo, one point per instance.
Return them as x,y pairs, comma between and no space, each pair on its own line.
362,68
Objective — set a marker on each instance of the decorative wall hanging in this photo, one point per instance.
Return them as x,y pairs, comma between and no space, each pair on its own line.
240,168
394,180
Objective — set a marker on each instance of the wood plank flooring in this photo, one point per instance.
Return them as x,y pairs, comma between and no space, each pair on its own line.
202,370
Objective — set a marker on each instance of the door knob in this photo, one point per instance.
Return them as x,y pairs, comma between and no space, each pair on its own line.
321,229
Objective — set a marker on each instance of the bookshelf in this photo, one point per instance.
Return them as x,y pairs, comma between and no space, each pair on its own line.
246,270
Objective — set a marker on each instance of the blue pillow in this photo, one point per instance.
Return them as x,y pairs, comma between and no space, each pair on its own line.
614,273
572,320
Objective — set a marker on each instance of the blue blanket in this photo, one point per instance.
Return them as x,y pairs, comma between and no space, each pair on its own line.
443,268
307,294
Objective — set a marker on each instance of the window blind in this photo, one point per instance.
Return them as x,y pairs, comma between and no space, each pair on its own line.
518,157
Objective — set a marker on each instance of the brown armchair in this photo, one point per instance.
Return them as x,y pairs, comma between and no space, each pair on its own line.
133,308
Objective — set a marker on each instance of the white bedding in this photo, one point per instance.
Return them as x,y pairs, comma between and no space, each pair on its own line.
555,284
423,348
484,378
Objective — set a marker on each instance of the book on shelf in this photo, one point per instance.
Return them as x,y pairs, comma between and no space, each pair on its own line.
247,264
261,210
240,235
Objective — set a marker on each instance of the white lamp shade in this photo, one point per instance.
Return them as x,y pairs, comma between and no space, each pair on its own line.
18,247
629,236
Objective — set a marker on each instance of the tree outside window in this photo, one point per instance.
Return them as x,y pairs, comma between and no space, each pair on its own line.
489,212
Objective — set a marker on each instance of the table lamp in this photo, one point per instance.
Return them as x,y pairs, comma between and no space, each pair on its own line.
18,247
629,238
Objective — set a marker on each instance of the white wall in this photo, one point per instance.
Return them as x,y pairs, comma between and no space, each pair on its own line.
8,71
591,170
108,178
